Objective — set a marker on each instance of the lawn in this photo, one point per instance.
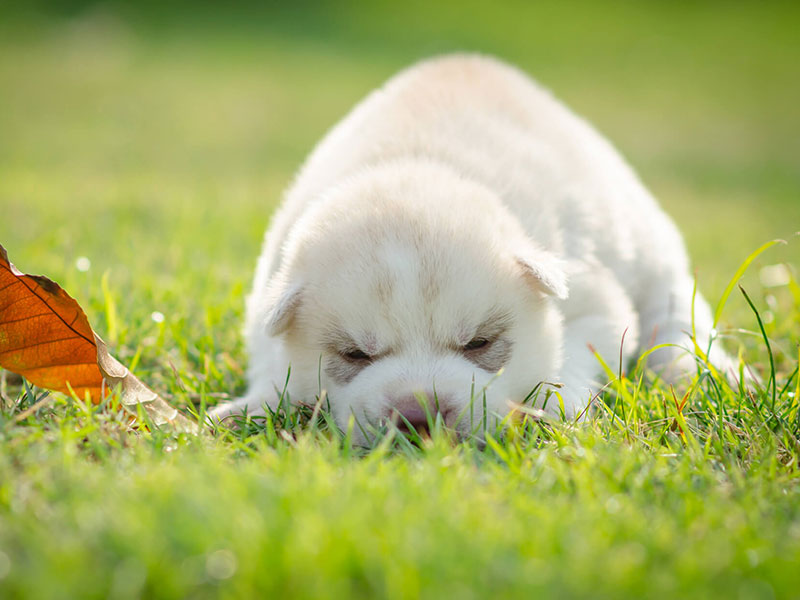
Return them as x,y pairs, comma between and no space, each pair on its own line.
155,142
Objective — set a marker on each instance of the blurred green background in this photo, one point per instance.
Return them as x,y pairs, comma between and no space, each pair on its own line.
156,138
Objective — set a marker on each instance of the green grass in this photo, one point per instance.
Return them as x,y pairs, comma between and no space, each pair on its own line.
156,143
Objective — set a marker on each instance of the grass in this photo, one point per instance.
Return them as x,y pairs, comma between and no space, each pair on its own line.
156,144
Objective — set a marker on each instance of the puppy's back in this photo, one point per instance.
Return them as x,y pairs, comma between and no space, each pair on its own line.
569,188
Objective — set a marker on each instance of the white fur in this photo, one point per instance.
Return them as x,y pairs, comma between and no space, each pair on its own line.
457,191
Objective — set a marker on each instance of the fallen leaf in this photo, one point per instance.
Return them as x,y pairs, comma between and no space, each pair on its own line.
135,394
45,336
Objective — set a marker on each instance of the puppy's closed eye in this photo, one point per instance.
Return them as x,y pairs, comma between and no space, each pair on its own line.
343,365
488,354
478,343
356,355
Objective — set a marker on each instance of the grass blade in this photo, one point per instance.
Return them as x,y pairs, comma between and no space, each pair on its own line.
738,275
772,381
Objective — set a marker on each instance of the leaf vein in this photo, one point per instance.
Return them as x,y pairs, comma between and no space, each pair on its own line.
55,312
44,314
42,343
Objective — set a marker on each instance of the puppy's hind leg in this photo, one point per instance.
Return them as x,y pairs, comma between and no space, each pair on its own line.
599,320
666,318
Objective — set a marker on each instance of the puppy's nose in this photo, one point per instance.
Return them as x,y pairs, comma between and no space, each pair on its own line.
409,412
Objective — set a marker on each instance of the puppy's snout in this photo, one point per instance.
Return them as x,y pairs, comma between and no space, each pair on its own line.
417,411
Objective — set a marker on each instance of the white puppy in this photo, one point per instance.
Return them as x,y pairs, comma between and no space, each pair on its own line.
459,223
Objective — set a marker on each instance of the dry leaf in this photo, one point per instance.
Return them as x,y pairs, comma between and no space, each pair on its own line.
134,393
46,337
44,334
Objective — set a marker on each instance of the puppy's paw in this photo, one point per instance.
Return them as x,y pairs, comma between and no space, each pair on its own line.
224,413
681,363
729,367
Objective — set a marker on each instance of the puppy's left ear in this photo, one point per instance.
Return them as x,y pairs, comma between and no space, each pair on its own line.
283,308
544,272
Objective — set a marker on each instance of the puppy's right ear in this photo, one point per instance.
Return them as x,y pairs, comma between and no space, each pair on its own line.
283,309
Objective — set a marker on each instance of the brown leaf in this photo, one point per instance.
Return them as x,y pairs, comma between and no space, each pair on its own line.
46,337
44,334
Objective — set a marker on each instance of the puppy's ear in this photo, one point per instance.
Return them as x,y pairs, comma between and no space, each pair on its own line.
280,315
544,272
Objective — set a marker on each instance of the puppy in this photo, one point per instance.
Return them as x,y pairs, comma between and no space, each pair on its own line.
457,242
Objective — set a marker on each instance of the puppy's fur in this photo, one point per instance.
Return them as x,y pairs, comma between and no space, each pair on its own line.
461,222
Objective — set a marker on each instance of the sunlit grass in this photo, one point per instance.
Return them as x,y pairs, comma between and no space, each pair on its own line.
694,489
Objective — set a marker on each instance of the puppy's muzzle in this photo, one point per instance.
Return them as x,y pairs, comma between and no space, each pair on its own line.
417,412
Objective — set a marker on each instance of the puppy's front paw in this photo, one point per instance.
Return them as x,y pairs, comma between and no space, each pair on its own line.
241,406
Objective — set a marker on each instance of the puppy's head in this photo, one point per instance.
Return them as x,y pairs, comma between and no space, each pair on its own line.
405,291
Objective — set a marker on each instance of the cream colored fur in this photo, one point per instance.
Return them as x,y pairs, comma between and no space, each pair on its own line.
459,194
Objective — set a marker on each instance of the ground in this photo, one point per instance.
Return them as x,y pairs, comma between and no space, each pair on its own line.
142,152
